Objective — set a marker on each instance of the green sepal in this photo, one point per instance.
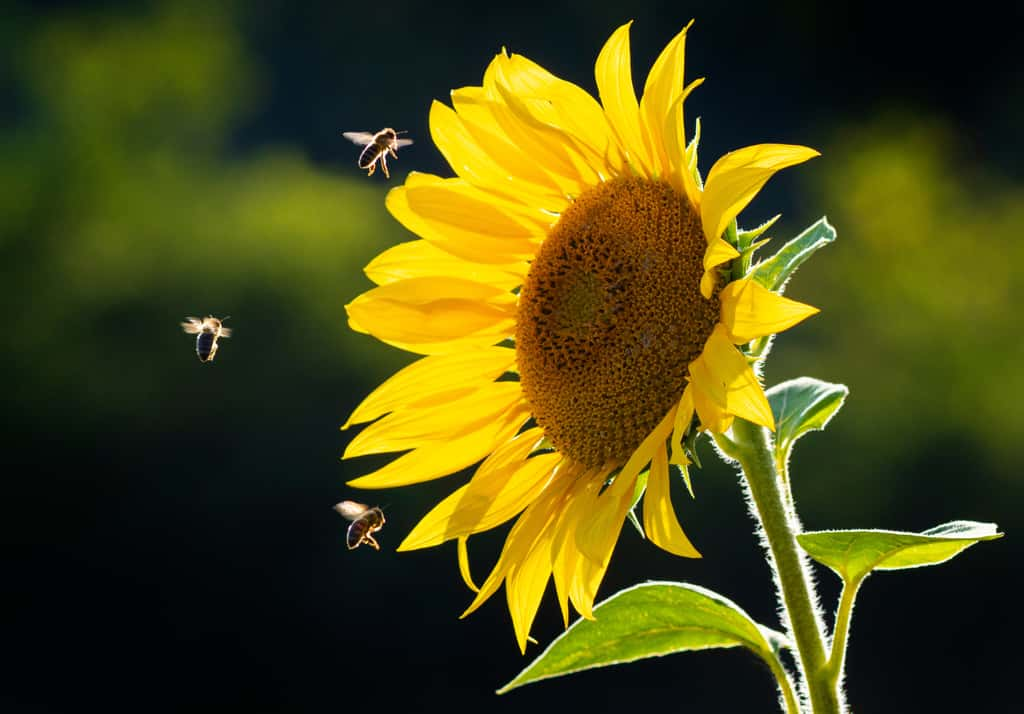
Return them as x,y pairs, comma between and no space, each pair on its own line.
775,271
650,620
854,554
638,492
747,236
801,405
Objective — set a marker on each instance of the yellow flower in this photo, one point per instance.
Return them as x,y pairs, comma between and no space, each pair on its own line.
568,295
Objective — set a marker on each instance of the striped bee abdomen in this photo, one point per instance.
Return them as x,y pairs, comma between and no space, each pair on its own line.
205,345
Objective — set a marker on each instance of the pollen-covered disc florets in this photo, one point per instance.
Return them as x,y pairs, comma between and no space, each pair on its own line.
611,316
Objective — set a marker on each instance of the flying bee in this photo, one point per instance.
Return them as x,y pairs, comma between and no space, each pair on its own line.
209,329
365,522
378,146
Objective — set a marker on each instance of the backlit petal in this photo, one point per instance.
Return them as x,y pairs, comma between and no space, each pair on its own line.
441,459
660,522
475,112
614,75
750,310
596,537
563,110
525,585
680,173
440,375
464,571
412,427
680,426
717,253
422,259
462,224
663,85
736,178
728,371
476,163
484,503
430,310
528,529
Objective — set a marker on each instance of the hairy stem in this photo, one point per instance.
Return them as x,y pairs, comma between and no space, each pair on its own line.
785,685
772,504
844,613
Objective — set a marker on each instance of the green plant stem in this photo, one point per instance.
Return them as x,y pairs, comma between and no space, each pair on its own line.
844,613
785,684
751,448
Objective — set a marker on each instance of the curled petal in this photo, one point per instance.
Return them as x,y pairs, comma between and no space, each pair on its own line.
736,178
660,522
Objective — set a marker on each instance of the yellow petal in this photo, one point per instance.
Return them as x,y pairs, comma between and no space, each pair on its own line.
721,368
471,509
684,415
444,458
564,552
660,522
475,111
525,585
513,119
663,85
586,582
750,310
467,576
736,178
717,253
680,173
463,225
412,427
418,383
528,529
476,163
421,259
713,416
596,538
565,110
430,310
614,75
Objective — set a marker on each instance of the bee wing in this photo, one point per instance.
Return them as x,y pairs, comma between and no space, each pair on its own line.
225,332
399,143
193,326
350,509
359,137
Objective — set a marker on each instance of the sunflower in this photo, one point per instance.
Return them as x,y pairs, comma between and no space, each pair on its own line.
572,299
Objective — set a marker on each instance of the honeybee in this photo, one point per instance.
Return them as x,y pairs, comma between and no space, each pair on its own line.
365,522
209,330
378,146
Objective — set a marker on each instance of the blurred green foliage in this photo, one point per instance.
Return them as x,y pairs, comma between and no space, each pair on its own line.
920,299
122,211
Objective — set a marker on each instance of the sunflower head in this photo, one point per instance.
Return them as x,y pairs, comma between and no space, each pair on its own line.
572,296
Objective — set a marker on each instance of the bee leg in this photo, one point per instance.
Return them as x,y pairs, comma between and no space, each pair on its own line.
373,167
391,150
384,165
369,540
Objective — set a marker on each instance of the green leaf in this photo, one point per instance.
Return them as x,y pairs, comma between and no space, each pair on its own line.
649,620
775,271
854,554
638,492
802,405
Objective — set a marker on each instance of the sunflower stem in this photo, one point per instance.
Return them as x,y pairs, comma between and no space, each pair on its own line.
750,446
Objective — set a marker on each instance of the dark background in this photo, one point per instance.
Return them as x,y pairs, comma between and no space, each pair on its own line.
171,545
